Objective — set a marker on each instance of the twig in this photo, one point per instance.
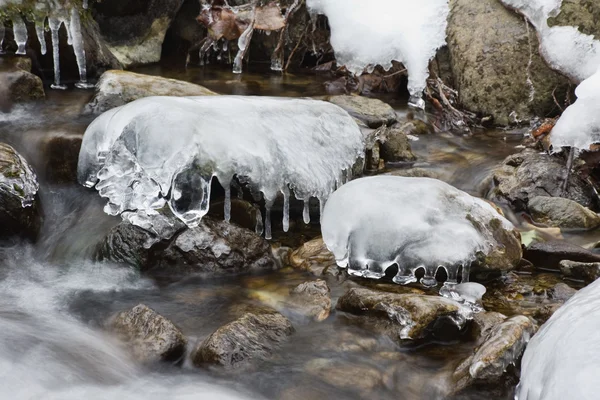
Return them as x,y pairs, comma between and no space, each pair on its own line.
289,61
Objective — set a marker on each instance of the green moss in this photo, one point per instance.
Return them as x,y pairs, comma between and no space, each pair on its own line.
31,11
19,190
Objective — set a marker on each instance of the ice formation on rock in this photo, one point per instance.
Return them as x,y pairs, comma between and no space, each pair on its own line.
2,32
373,223
20,33
467,293
366,34
562,361
166,150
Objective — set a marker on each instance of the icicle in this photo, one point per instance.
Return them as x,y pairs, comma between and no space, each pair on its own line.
306,211
465,273
268,206
39,30
85,4
20,32
243,43
286,209
67,21
225,45
428,280
55,24
75,29
259,223
227,208
1,36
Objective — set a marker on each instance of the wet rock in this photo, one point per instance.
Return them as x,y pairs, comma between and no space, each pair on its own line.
116,88
243,213
345,375
249,338
17,83
562,291
563,213
583,14
548,255
395,146
135,30
403,316
346,341
496,64
19,203
311,299
585,271
213,248
502,347
373,112
61,155
314,256
484,323
149,335
529,174
506,255
416,173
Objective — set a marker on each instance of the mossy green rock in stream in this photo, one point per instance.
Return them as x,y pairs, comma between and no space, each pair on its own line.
19,203
116,88
149,336
497,68
583,14
562,213
252,337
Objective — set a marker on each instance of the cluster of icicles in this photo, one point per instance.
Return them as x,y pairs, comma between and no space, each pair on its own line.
57,15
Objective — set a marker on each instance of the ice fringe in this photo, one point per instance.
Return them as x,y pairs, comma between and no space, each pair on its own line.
373,223
166,150
377,32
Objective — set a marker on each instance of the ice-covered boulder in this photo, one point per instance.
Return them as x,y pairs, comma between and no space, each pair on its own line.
166,150
562,360
371,224
366,35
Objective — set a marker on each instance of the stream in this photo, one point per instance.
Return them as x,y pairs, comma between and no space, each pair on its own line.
55,301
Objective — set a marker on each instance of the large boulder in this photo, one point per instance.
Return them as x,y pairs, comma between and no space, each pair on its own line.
149,335
562,213
17,83
19,203
116,88
251,337
213,248
496,64
135,29
529,174
404,316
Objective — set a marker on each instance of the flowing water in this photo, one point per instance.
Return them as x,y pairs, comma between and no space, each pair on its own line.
55,301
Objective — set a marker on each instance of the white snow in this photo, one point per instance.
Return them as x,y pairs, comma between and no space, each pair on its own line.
366,34
562,361
373,223
166,150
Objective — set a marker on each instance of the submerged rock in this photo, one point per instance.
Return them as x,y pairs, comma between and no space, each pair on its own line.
19,204
585,271
484,323
373,112
395,146
548,255
213,248
116,88
563,213
249,338
17,83
404,316
496,64
502,347
149,335
314,256
529,174
311,299
61,152
345,375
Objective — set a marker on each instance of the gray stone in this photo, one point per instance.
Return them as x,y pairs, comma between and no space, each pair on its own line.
491,49
502,347
311,299
149,335
116,88
562,291
484,322
548,255
373,112
345,375
529,174
19,203
395,146
249,338
17,83
585,271
562,213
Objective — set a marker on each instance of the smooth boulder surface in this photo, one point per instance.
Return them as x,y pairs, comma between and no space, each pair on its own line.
149,335
116,88
251,337
405,316
314,256
214,248
17,83
503,346
529,174
562,213
372,112
548,255
496,65
19,203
